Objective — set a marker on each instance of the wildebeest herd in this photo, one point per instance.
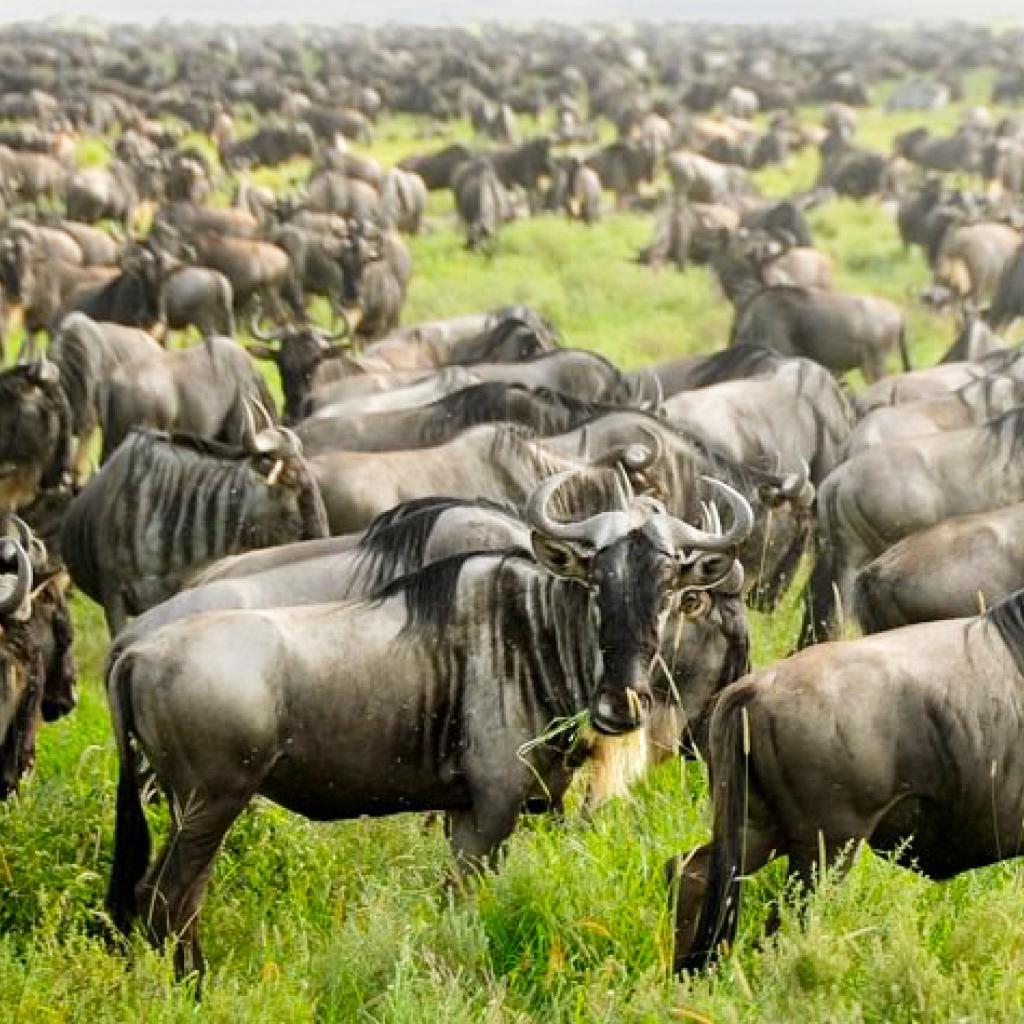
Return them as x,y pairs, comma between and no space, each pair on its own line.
485,557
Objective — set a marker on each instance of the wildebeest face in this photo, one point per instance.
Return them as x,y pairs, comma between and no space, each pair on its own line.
635,562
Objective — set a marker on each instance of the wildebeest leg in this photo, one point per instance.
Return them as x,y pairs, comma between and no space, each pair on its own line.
687,879
114,610
476,834
170,894
873,365
819,597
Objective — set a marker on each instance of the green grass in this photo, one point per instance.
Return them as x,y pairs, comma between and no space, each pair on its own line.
351,921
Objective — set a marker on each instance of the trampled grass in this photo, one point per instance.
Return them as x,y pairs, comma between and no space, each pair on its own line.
352,921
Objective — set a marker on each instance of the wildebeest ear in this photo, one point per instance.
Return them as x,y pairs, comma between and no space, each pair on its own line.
561,558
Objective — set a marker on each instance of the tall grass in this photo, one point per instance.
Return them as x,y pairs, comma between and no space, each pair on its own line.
352,922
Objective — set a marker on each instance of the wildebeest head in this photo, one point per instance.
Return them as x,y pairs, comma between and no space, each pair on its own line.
297,350
637,562
20,667
35,438
275,454
48,623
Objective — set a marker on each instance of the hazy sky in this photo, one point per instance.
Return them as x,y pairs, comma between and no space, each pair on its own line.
326,11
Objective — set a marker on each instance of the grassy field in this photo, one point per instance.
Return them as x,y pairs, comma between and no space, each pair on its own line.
350,922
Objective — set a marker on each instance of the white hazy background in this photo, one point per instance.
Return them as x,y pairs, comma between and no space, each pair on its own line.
325,12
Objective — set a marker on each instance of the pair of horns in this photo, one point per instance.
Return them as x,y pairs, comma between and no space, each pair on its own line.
602,529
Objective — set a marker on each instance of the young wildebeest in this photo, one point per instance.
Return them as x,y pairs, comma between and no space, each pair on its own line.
908,740
206,390
437,687
160,508
950,571
842,332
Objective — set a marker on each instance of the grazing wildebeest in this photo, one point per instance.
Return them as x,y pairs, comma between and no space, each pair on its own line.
622,167
86,353
480,202
205,391
842,332
914,736
443,731
954,569
893,490
35,433
161,507
437,169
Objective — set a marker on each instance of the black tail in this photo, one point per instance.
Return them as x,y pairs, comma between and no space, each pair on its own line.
131,831
719,915
901,340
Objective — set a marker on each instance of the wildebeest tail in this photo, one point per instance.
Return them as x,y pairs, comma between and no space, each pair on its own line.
870,596
728,767
901,340
131,831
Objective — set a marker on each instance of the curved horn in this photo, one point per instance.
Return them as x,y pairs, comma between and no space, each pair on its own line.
254,327
29,541
639,456
14,588
597,531
537,510
686,536
344,332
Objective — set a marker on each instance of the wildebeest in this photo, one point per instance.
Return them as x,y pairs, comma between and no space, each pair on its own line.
1008,301
952,570
795,414
972,404
37,670
893,490
971,259
86,353
914,736
206,391
842,332
480,202
403,200
161,507
444,732
35,433
541,410
437,169
97,192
